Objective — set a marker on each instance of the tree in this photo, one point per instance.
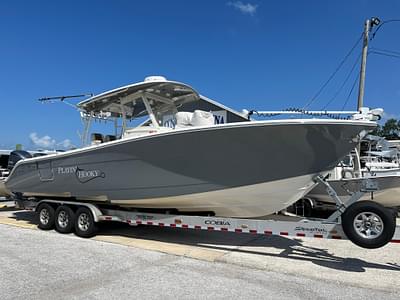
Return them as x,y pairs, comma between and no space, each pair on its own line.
390,130
377,131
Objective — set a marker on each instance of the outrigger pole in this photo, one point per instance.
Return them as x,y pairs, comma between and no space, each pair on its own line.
86,118
62,98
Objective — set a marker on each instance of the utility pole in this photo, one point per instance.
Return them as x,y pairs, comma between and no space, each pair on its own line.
369,23
367,28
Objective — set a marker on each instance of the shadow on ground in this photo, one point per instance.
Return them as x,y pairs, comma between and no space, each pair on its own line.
269,246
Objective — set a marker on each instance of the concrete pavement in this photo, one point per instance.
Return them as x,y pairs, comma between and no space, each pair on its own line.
46,265
325,260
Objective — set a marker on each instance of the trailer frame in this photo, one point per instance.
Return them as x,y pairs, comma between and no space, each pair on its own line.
277,224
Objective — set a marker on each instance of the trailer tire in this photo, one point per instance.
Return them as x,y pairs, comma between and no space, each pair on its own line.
64,219
368,224
46,216
85,225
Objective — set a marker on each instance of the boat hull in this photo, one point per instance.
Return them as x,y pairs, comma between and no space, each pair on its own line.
241,170
244,201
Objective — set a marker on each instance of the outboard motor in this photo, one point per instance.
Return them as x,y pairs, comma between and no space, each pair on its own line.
16,156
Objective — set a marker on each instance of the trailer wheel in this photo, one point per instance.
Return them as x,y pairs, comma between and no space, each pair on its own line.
368,224
84,223
45,216
64,219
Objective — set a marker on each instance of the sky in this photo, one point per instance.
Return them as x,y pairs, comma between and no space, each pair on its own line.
265,55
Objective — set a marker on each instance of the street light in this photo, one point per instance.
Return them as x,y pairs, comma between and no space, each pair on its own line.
375,21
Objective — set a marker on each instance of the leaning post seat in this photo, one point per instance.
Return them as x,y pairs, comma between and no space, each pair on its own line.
183,119
202,118
197,118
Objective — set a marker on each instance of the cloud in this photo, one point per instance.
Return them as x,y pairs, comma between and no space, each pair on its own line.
387,116
42,142
46,142
67,144
245,8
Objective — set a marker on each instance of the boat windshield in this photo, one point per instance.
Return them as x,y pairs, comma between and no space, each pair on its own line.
165,116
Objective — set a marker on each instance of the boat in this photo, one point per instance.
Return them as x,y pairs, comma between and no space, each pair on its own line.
387,193
379,157
8,159
3,190
381,164
346,178
243,169
4,171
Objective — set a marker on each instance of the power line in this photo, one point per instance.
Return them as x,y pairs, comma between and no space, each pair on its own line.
344,83
351,91
334,73
380,25
385,50
385,54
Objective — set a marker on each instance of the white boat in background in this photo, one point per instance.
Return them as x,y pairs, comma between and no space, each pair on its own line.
379,157
376,167
346,179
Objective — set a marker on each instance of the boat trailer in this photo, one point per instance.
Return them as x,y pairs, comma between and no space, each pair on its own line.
365,223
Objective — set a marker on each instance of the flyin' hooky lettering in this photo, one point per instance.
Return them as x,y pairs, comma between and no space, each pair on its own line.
81,174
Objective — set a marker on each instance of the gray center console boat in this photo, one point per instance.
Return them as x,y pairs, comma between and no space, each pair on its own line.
244,169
